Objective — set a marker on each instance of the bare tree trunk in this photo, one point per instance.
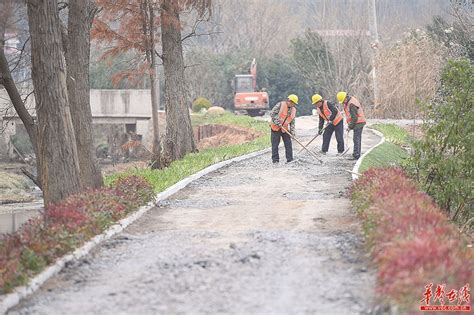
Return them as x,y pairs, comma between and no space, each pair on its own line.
148,14
77,59
57,151
155,107
179,139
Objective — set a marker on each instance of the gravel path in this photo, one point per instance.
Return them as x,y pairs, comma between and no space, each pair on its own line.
252,238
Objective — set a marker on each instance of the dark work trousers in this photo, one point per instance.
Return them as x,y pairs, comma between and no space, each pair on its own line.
357,142
327,135
276,135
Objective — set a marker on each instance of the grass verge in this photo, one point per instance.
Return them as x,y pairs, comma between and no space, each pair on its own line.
386,154
194,162
390,153
230,119
393,133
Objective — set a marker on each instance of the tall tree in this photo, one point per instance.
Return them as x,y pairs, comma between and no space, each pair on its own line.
53,140
135,31
148,12
57,153
179,138
81,13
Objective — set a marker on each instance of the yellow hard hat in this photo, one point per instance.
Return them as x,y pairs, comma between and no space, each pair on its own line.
341,96
293,98
316,98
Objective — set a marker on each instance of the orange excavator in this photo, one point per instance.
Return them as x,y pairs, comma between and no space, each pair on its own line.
246,97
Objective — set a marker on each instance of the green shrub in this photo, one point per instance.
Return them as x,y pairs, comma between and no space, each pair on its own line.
201,103
443,160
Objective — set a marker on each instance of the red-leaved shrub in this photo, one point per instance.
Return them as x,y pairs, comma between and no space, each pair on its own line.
412,241
134,189
65,226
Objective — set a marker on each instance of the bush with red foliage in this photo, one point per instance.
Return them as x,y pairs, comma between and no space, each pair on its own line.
65,226
134,189
412,241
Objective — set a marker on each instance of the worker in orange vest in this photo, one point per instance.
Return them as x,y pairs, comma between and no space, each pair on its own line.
330,114
283,115
355,119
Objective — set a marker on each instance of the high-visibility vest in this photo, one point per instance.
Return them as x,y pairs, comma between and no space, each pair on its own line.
325,113
360,111
285,119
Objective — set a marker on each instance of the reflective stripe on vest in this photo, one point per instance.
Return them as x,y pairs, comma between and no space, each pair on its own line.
360,111
285,119
326,113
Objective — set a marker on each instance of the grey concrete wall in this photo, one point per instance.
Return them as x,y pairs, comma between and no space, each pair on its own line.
104,103
120,103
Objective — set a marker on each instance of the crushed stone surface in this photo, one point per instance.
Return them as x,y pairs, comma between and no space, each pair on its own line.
251,238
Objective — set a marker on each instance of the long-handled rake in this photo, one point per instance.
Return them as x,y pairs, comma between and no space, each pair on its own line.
314,138
304,147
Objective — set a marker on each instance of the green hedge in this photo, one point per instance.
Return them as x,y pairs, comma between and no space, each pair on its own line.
443,161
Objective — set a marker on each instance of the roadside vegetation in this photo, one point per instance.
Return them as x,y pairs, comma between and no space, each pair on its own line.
393,133
443,161
14,188
65,226
418,217
389,153
230,119
411,239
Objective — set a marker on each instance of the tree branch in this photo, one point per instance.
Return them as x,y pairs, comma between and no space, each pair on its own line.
194,34
21,54
27,96
193,65
13,93
158,54
32,177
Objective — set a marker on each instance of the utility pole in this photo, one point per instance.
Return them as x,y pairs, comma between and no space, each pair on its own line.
375,37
